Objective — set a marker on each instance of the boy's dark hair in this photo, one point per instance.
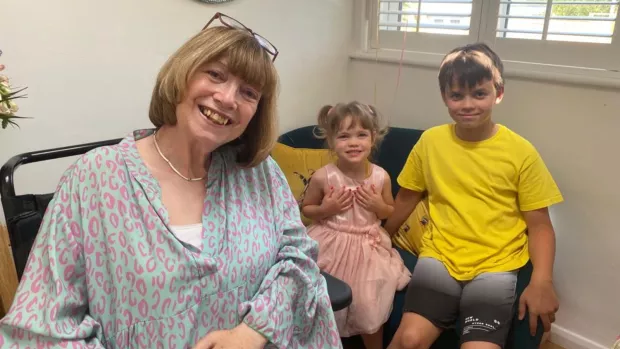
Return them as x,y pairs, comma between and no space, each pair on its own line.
469,65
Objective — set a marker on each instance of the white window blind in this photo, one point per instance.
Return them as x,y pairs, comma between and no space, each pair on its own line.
551,32
561,33
426,16
430,24
575,21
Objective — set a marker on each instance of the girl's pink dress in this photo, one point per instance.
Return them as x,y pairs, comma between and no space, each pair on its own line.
356,249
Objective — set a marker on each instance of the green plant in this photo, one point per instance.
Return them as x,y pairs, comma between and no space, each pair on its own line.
581,9
8,107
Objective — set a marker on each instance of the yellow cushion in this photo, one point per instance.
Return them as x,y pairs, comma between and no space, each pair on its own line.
409,235
298,165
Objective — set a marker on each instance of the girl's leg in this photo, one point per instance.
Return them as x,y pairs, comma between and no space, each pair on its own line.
373,341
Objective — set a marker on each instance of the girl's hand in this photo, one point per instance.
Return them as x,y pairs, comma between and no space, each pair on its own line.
336,201
369,198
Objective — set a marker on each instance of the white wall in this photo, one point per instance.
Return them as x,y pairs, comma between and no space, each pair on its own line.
573,129
90,65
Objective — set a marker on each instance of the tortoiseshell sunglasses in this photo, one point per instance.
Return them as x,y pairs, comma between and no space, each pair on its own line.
233,23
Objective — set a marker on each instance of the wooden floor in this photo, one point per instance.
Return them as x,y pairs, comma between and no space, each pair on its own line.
546,345
549,345
8,276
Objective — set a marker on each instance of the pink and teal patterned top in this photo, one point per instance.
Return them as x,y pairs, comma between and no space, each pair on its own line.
106,270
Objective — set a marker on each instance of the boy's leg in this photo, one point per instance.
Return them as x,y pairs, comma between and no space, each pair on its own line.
487,310
431,305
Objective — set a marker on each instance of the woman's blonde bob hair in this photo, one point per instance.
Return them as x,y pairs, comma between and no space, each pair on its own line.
247,60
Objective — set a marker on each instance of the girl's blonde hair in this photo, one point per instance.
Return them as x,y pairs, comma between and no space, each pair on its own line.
246,59
330,119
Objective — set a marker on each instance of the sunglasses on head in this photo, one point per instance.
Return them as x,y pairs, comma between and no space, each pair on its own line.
230,22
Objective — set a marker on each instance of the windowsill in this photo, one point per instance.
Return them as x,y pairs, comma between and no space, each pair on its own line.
512,69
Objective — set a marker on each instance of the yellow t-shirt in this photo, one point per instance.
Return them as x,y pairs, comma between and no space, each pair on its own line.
476,192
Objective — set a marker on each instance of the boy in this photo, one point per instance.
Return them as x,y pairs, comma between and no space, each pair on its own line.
488,191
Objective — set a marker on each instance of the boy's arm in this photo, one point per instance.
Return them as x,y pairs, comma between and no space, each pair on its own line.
406,201
536,192
541,238
539,296
311,206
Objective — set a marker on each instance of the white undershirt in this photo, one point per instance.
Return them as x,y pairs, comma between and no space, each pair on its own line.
189,233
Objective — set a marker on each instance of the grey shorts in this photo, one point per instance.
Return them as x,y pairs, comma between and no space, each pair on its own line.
483,306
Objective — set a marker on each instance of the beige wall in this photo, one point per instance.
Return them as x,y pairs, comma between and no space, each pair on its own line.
90,65
573,127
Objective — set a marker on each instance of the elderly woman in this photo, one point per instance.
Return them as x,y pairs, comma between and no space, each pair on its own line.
183,236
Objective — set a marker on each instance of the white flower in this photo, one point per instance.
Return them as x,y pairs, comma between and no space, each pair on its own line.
13,107
4,108
4,90
8,107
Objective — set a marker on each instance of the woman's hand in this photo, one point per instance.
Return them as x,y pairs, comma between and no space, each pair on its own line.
240,337
336,201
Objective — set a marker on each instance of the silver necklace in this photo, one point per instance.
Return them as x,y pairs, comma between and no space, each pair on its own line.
170,164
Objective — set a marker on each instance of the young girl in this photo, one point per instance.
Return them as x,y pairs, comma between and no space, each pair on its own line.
346,201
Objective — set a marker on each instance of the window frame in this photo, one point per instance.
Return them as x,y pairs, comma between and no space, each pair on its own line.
568,57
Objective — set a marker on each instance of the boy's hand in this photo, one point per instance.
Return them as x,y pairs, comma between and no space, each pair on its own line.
337,201
540,300
369,199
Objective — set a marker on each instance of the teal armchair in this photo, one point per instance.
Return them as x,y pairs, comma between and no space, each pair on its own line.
391,156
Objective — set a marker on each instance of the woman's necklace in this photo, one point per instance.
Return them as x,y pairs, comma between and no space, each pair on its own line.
171,166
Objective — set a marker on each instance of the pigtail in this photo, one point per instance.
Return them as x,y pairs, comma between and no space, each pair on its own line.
379,127
320,131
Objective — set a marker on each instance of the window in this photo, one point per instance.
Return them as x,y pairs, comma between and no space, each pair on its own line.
426,16
551,32
557,21
435,25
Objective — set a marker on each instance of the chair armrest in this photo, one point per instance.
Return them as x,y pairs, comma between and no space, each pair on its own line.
339,292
